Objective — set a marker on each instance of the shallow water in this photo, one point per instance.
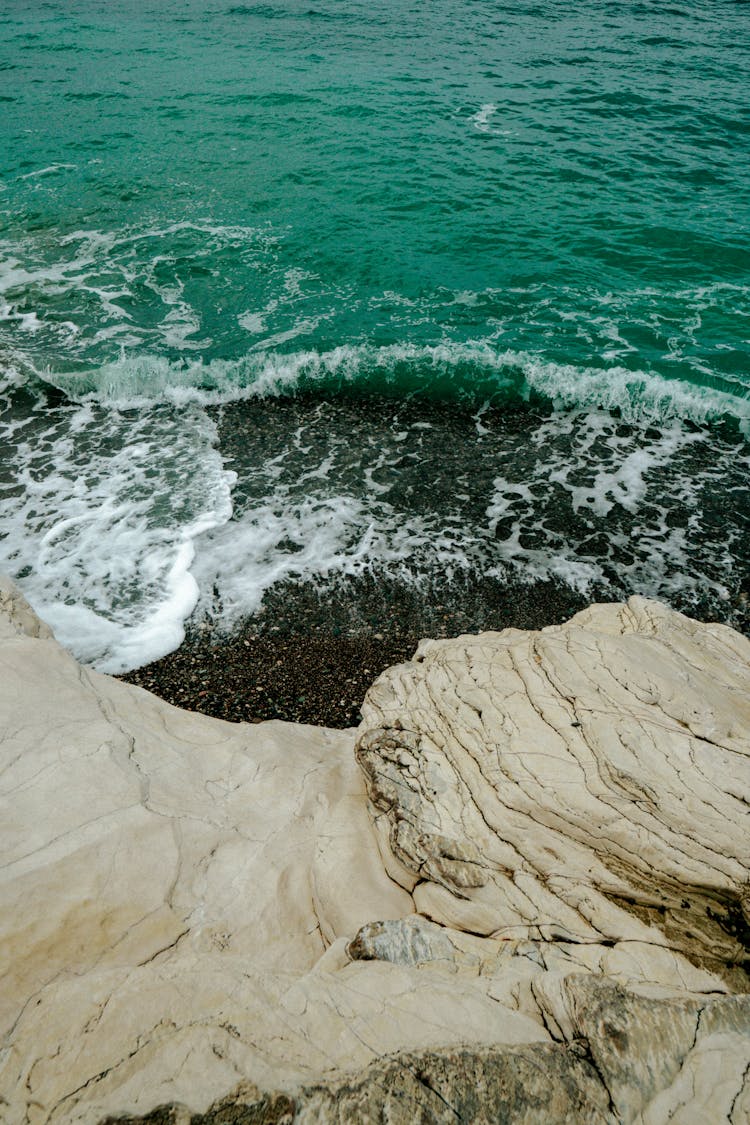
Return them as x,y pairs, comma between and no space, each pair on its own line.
238,240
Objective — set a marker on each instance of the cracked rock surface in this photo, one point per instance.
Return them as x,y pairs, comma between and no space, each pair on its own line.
525,899
586,783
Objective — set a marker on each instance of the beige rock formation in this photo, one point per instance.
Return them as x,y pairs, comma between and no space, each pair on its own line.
541,917
589,782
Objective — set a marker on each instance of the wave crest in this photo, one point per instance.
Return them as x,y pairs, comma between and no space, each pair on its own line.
473,373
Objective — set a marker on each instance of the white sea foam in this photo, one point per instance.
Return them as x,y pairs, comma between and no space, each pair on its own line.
482,121
102,275
253,322
117,516
482,117
309,535
95,279
636,394
100,519
579,498
118,519
632,503
48,171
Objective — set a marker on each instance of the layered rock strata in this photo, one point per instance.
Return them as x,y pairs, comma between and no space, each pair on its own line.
587,783
527,902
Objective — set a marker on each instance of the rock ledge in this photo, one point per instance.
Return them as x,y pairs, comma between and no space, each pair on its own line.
519,892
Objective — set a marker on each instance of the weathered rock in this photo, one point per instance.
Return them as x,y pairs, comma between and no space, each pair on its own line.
587,783
17,618
201,922
628,1060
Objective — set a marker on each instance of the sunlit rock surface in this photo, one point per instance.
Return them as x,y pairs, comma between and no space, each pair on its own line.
530,903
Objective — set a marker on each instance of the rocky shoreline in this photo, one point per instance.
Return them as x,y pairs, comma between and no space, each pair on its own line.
244,677
311,653
517,892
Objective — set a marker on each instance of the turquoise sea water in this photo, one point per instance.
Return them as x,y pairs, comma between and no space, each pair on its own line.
509,209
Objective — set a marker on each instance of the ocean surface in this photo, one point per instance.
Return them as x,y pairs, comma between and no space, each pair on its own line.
306,290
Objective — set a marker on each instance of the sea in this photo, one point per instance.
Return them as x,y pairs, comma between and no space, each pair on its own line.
308,292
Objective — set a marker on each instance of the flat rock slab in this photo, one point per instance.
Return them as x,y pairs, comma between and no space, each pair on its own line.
529,904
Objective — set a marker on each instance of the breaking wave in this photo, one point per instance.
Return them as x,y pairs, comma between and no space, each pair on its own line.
470,373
